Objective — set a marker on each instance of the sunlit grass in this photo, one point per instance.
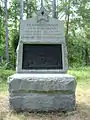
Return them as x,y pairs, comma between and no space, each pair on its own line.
82,76
3,80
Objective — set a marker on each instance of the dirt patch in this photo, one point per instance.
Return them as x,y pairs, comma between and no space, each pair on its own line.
82,112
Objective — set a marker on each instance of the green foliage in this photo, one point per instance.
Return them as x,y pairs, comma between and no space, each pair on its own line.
4,74
13,44
77,51
6,65
30,8
15,40
82,75
2,34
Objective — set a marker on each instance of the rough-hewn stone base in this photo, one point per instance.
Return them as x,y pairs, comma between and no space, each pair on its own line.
42,92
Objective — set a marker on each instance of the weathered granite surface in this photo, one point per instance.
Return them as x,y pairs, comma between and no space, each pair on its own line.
42,92
43,102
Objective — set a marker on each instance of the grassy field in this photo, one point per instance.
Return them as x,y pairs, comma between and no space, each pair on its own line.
82,99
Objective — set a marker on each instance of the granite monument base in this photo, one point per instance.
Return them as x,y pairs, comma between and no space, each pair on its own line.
42,92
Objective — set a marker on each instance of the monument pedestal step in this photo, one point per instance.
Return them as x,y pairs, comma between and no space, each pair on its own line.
42,92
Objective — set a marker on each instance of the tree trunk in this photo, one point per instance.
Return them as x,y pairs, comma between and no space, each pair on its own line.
1,59
15,17
21,9
27,9
6,24
86,56
67,22
54,9
41,3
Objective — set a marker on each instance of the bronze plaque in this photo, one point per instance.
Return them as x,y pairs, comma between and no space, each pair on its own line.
42,56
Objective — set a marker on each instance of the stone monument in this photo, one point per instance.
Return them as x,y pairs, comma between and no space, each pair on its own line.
41,82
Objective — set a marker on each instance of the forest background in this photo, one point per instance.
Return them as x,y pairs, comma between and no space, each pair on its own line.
74,13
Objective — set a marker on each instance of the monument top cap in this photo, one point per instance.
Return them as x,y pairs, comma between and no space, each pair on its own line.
42,15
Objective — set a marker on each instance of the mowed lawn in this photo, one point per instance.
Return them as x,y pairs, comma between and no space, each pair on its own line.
82,99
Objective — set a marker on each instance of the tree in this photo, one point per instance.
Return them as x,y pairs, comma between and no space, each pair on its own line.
2,32
6,24
54,9
30,8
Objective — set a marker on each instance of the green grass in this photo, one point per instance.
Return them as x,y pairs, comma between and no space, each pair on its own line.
3,80
82,76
